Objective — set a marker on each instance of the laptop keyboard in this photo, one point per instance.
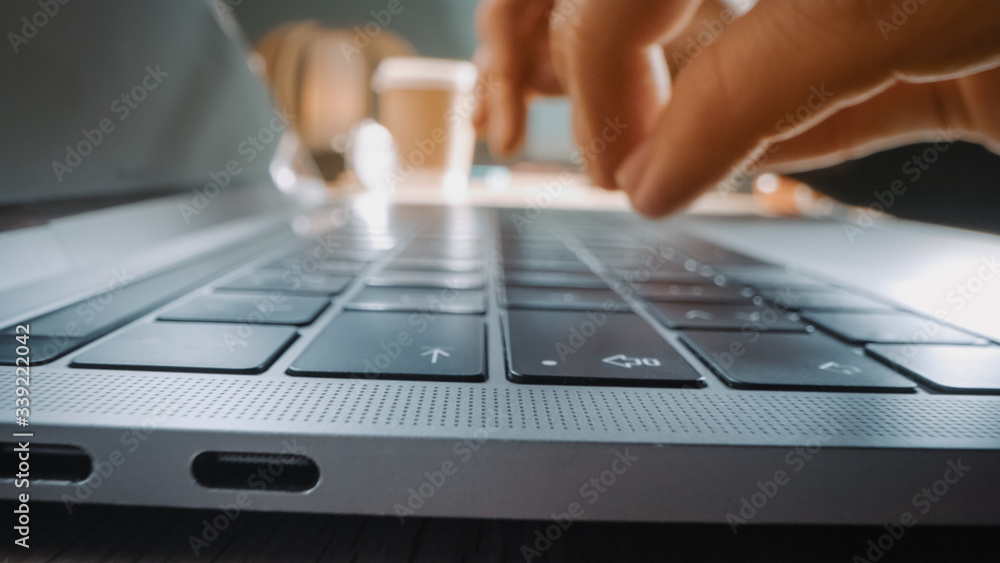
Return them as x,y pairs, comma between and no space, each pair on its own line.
583,298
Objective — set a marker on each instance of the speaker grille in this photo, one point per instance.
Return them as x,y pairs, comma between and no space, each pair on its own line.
241,399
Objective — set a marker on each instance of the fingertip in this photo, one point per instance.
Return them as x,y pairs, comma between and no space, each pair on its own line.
631,172
648,204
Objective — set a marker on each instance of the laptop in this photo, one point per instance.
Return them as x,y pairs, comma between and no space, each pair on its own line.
190,320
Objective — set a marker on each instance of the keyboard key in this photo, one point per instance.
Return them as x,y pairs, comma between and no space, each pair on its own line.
418,278
690,293
710,316
887,328
434,264
292,282
340,254
949,369
256,309
529,253
470,301
564,298
793,362
710,253
549,265
641,275
593,348
806,299
393,346
771,277
555,279
459,252
202,347
313,266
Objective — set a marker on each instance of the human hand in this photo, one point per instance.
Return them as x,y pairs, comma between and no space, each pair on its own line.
791,85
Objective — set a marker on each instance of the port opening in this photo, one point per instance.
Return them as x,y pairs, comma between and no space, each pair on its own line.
255,471
46,462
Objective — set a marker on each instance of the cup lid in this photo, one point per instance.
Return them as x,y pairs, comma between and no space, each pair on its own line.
422,73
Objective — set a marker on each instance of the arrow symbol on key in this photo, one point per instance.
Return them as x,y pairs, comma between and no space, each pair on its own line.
435,352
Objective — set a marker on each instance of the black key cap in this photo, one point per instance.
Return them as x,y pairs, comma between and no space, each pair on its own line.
771,277
550,265
292,282
690,293
470,301
593,348
888,328
393,346
434,264
344,253
564,298
710,253
313,266
641,275
203,347
555,254
254,309
710,316
798,300
355,255
793,362
445,253
554,279
417,278
949,369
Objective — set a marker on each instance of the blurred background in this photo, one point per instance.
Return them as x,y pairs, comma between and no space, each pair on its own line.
435,28
962,189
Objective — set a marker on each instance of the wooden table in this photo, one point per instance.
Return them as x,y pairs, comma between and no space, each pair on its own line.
109,533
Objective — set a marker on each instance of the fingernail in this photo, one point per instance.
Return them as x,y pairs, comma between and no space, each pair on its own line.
630,173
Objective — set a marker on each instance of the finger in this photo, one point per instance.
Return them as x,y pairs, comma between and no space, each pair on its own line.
904,114
509,28
601,50
709,22
781,56
480,116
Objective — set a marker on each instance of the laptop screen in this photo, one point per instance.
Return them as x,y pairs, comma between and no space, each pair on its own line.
123,100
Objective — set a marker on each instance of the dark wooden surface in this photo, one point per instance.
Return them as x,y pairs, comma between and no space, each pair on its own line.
108,533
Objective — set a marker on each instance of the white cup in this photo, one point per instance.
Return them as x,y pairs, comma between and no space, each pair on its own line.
427,105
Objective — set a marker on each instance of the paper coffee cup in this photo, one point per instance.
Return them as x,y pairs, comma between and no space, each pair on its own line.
427,105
